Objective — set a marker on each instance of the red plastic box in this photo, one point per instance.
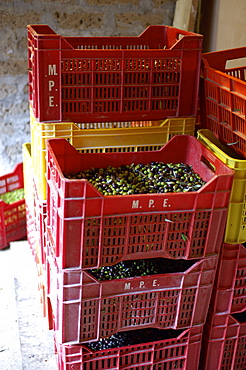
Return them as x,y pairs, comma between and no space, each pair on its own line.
181,352
99,79
223,344
223,96
12,216
229,293
85,309
90,230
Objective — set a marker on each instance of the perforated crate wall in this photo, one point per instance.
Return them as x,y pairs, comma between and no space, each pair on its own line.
224,343
90,230
229,293
13,215
181,352
87,79
85,309
224,96
235,231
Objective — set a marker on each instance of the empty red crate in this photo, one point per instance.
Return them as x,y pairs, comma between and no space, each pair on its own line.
181,352
224,343
99,79
90,230
85,309
229,293
13,215
223,96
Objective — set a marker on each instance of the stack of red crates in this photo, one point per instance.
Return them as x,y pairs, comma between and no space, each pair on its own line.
223,97
74,83
87,230
224,339
105,94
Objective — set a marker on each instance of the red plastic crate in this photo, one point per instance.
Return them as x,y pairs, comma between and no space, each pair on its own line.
85,309
171,354
224,343
223,97
99,79
90,230
229,293
32,236
12,216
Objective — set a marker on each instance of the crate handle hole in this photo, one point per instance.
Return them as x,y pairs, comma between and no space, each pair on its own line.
235,63
208,164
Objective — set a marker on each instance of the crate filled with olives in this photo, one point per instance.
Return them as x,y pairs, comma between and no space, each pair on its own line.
142,349
12,207
168,203
162,293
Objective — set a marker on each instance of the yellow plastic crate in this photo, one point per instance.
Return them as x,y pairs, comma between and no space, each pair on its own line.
34,207
115,137
28,177
235,231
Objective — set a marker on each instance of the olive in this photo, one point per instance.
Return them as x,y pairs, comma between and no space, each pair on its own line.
154,177
132,337
12,196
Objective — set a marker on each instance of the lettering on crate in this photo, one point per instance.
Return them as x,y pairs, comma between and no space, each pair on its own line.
141,284
51,83
151,203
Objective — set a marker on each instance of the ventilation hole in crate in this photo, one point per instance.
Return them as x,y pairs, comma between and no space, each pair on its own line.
239,105
240,353
212,109
136,92
107,65
228,353
73,79
225,117
225,98
88,310
167,307
138,309
187,305
213,126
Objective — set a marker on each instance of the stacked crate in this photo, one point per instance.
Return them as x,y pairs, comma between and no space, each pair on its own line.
87,230
224,340
12,209
106,94
223,97
223,119
102,100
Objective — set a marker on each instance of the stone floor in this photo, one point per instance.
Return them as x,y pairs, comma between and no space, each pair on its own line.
25,341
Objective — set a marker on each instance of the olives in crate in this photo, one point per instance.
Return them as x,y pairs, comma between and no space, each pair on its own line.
132,337
154,177
240,316
142,267
12,196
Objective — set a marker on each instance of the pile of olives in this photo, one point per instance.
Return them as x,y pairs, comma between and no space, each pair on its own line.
154,177
142,267
240,316
12,196
132,337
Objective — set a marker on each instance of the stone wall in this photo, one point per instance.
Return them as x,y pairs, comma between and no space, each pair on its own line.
67,18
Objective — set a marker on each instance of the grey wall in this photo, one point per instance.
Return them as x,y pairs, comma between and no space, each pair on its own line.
67,18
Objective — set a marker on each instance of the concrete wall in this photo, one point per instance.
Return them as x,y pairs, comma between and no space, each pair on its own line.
67,18
223,24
